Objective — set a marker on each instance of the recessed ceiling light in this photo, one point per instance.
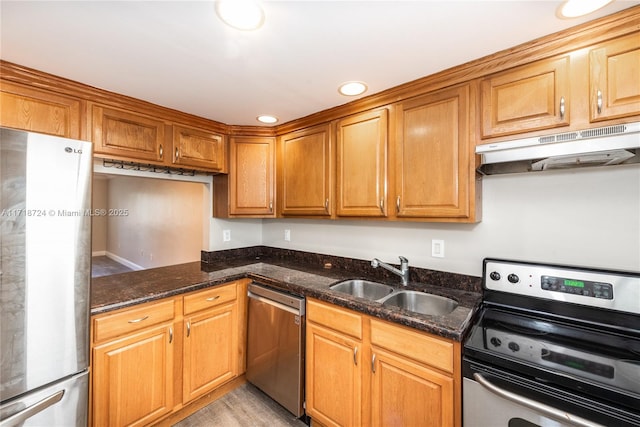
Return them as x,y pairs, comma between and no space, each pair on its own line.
267,119
352,88
243,15
575,8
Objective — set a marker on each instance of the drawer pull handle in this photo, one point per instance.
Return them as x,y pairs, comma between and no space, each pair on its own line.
188,329
562,107
398,204
382,205
373,363
160,151
139,320
177,154
213,298
599,101
326,205
170,335
355,356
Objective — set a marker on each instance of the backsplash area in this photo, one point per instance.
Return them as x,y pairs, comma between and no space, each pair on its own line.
328,263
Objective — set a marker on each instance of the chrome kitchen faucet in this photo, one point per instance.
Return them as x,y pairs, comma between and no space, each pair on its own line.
403,272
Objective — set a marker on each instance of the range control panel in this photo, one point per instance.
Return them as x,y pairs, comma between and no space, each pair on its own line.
577,287
597,288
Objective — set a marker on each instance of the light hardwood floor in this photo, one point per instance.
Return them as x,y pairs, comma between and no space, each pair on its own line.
246,406
104,266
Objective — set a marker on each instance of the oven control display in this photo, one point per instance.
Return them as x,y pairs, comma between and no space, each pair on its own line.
577,287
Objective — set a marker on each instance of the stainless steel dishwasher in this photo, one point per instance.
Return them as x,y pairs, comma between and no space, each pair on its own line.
275,346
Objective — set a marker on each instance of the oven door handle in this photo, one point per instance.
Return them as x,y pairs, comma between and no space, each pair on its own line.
536,406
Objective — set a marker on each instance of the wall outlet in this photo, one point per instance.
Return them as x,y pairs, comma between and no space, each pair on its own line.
287,235
437,248
226,235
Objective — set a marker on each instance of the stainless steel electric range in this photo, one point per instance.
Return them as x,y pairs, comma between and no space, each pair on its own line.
553,346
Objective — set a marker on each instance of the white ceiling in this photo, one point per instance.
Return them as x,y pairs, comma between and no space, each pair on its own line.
178,54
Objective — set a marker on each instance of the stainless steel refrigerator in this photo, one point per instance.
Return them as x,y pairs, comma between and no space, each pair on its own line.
45,275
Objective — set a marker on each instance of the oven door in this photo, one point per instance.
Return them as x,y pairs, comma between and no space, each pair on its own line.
496,398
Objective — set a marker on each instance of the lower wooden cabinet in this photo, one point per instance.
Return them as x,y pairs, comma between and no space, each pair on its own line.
334,377
210,344
390,376
132,365
141,355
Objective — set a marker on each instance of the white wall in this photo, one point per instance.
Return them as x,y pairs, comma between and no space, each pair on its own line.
99,223
165,221
587,217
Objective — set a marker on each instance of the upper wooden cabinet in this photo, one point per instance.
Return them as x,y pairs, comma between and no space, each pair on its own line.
198,148
249,188
361,165
434,166
35,110
304,172
125,134
615,79
527,98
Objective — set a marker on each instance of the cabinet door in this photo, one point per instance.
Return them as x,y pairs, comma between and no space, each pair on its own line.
362,165
39,111
333,376
432,156
405,393
532,97
251,176
210,355
198,148
615,79
125,135
133,378
305,172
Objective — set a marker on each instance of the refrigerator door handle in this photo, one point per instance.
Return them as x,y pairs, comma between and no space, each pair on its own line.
20,417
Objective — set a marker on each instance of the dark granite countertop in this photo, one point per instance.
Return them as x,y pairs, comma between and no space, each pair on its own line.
126,289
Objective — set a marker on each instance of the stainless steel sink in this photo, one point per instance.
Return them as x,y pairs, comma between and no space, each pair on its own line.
421,302
363,289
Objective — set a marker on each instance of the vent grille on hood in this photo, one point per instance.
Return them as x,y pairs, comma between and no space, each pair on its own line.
607,145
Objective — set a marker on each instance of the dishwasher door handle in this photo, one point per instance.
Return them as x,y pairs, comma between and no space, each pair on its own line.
273,303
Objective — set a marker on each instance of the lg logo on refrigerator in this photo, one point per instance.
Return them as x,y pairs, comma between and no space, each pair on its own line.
73,150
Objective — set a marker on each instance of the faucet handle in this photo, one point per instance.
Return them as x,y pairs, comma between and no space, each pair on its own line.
403,260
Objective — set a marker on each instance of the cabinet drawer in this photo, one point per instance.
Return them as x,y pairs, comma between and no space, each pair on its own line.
126,321
334,317
209,298
418,346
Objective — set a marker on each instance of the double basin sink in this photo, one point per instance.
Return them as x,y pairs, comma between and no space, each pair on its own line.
415,301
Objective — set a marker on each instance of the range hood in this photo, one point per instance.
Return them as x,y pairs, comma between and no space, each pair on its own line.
610,145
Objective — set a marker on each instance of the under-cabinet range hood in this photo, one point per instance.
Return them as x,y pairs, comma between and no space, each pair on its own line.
610,145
